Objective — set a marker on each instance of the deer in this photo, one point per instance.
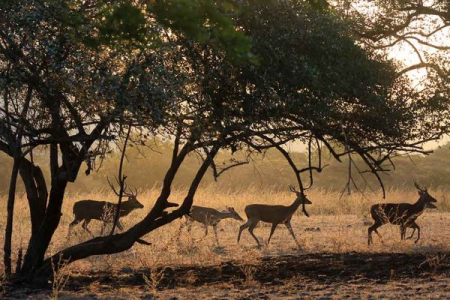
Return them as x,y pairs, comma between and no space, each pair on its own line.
401,214
211,217
273,214
87,210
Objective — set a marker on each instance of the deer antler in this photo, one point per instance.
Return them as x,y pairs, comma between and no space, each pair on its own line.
129,192
417,186
292,188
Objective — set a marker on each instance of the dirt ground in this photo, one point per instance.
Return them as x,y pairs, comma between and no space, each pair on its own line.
325,276
335,261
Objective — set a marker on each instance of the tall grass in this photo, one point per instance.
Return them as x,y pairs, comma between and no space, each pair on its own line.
342,222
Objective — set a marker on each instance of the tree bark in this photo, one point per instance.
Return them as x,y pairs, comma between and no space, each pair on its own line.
10,216
36,189
39,243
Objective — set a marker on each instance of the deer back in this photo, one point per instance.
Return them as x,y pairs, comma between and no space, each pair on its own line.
269,213
205,215
396,213
403,213
91,209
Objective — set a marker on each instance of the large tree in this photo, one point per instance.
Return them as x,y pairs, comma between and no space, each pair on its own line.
194,81
72,73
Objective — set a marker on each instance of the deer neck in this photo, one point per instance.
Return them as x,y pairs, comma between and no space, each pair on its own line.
295,205
223,215
125,208
419,206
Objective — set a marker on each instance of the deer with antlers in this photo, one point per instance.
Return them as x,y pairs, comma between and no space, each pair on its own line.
87,210
402,214
274,214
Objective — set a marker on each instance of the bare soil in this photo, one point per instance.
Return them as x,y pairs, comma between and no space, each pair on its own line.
326,276
335,261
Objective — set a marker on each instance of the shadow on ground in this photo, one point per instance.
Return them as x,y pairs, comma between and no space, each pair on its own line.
320,268
313,275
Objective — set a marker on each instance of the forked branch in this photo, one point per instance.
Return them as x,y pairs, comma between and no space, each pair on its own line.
121,181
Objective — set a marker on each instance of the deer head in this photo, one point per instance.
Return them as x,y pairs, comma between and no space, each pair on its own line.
424,196
132,196
234,214
299,195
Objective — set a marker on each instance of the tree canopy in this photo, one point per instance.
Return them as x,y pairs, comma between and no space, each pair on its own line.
419,28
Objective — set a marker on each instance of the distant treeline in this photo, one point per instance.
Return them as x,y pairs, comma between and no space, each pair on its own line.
146,167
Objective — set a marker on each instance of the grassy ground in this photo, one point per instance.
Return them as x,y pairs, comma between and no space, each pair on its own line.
336,234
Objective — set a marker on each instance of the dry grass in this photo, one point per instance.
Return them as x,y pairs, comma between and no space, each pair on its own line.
61,274
341,222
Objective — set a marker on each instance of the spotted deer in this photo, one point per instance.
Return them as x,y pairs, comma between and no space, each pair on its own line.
87,210
401,214
273,214
211,217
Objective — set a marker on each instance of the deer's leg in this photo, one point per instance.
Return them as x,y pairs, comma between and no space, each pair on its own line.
415,226
402,232
189,225
369,235
215,234
74,222
418,233
272,230
371,229
119,225
250,229
182,224
206,230
291,231
412,234
379,236
102,229
246,225
85,224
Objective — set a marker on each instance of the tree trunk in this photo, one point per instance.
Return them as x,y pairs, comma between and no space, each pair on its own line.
39,243
37,194
10,216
